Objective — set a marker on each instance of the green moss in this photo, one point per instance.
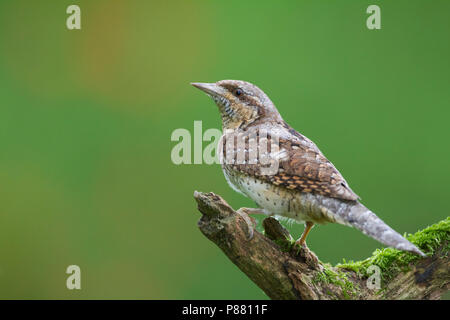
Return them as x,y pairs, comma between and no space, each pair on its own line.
391,261
338,278
286,244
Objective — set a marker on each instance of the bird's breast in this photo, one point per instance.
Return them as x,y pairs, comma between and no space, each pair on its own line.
277,200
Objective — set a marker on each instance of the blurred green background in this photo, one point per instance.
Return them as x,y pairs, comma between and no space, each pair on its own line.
86,117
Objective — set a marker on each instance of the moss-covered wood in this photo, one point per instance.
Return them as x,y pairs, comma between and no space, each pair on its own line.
284,271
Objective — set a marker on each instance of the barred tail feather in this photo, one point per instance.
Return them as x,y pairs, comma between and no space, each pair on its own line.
363,219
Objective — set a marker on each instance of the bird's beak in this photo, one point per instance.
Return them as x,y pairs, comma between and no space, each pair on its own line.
211,89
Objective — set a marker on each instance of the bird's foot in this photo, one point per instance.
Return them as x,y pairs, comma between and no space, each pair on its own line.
244,213
300,245
302,241
253,211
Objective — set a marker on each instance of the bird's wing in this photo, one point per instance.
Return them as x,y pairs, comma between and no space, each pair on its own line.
306,169
302,167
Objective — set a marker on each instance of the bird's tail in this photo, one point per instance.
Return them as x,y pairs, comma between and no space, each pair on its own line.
363,219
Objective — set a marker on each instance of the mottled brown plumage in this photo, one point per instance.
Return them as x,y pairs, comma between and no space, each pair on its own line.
302,184
305,169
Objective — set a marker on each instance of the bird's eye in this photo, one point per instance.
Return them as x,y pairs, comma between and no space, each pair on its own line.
238,92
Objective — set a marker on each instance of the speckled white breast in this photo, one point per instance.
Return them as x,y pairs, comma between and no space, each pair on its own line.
279,201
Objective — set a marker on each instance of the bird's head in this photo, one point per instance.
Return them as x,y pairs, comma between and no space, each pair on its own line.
240,103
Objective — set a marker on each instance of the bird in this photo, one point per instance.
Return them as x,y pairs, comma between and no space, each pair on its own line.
296,181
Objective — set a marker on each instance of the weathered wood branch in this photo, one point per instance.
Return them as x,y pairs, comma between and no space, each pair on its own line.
284,271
